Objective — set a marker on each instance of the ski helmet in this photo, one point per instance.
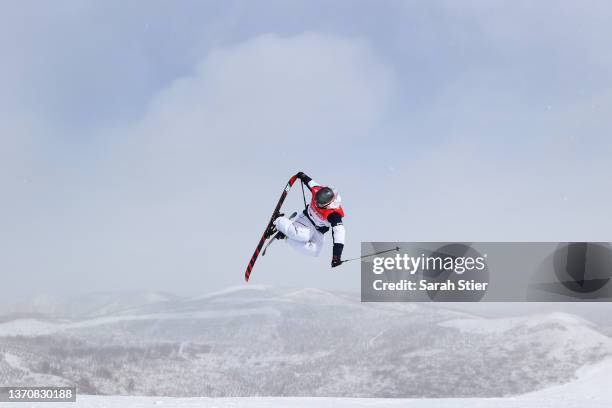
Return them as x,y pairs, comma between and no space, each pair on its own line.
324,197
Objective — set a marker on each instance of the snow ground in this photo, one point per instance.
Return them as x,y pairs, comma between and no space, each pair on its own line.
152,402
592,389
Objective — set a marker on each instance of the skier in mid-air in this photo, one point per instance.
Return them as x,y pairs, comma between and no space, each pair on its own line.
305,233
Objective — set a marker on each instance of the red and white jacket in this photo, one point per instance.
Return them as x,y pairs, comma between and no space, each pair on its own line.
329,217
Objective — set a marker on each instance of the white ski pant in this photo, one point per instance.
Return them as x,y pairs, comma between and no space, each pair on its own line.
301,234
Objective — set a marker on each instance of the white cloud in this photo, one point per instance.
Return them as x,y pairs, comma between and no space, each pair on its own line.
271,89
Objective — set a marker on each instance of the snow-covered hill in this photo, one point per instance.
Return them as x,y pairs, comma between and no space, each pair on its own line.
85,306
262,341
591,389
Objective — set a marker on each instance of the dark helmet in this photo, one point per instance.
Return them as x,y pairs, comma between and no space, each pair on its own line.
324,197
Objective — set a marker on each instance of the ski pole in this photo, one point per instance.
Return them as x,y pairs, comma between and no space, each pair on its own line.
304,195
373,254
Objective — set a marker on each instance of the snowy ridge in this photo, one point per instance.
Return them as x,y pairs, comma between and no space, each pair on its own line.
86,306
35,327
593,382
499,325
258,341
233,290
554,333
312,294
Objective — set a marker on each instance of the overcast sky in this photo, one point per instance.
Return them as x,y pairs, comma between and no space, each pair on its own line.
143,144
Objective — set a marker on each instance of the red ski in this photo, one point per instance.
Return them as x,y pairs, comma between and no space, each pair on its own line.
268,229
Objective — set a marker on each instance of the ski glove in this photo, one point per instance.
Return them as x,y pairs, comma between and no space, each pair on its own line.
335,261
305,179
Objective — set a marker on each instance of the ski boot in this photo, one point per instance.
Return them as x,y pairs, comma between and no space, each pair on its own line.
276,233
272,230
279,235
